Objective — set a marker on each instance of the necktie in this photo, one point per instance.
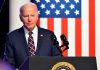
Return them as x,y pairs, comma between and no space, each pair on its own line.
31,46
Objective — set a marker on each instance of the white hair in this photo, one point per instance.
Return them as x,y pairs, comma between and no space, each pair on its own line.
28,4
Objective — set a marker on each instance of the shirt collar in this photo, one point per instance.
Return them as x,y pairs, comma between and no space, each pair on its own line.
34,30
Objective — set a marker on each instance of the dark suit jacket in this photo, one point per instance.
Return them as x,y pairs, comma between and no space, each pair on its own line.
16,50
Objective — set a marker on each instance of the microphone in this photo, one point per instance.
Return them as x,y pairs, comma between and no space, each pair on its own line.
65,42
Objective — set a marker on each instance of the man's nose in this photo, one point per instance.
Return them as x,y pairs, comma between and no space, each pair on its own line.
29,18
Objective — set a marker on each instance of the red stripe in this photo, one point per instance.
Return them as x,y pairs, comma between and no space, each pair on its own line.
38,22
50,24
91,27
78,38
64,29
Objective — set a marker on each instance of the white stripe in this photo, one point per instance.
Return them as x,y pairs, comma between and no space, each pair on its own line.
57,29
85,27
71,36
97,41
43,23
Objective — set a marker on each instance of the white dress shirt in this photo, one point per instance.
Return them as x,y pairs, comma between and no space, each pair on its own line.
34,35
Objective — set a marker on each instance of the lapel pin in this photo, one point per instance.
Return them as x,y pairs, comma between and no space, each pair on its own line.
41,35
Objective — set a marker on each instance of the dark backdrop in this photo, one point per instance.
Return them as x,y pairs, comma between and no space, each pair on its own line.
4,23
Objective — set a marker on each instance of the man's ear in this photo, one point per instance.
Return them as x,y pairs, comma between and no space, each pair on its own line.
37,17
20,17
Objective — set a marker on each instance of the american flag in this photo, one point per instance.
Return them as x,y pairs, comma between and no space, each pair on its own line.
73,18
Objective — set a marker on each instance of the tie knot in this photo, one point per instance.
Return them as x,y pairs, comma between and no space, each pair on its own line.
30,33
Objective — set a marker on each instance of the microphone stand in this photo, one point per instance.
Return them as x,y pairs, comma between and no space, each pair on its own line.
65,44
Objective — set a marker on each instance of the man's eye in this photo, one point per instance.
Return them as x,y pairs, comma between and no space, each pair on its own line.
32,15
25,16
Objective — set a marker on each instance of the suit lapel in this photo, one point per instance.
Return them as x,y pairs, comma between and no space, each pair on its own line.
39,42
21,30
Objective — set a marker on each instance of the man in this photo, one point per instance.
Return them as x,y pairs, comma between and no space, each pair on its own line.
18,47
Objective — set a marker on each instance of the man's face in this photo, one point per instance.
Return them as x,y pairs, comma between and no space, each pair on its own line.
29,16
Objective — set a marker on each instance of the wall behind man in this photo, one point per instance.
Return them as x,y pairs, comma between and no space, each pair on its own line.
4,23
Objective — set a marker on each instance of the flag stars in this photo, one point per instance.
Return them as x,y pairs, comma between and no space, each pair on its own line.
76,12
37,1
67,12
77,1
47,1
59,8
66,1
52,6
42,6
62,6
72,6
57,1
57,12
47,12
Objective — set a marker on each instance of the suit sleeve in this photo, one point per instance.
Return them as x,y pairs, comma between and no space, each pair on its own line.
9,52
56,51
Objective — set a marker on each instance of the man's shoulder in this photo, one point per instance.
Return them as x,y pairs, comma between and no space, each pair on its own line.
45,30
14,32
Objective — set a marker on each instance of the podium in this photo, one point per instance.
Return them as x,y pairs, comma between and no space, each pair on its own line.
59,63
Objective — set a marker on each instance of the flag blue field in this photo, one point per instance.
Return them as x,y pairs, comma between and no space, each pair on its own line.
59,8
